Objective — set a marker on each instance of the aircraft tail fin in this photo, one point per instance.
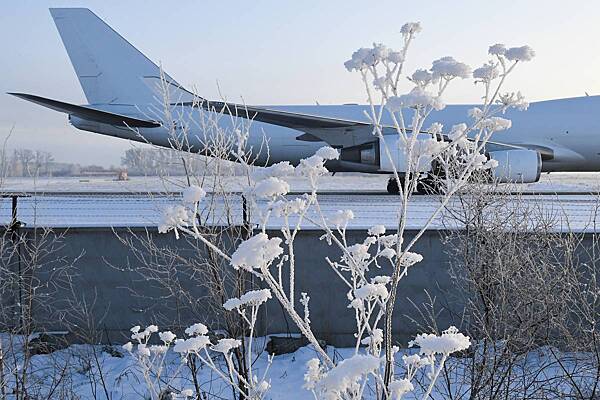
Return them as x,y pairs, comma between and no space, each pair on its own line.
109,68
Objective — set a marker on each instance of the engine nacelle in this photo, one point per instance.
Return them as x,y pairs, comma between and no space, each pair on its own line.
517,166
398,154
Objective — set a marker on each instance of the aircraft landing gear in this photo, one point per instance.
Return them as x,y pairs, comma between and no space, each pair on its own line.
392,186
427,185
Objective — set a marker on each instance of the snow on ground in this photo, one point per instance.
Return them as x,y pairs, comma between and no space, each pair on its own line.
74,372
347,182
124,379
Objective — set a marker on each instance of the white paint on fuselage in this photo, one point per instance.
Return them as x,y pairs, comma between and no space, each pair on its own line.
570,128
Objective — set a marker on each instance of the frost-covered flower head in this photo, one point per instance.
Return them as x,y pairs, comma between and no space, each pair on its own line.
515,100
388,253
497,49
341,218
193,194
313,374
422,77
312,167
346,375
494,124
143,350
278,170
172,218
435,129
381,280
141,336
167,336
449,68
367,57
458,135
410,29
357,61
486,73
371,291
376,230
426,147
390,240
415,361
289,207
328,153
196,329
417,97
523,53
450,341
256,252
374,339
271,188
252,298
191,345
409,259
400,387
225,345
356,255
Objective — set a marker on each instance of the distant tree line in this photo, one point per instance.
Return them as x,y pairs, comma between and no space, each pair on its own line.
28,163
135,161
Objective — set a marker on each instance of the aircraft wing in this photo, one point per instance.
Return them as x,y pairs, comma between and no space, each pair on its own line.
336,132
88,112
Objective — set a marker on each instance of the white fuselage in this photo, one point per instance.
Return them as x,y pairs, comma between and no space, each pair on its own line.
569,129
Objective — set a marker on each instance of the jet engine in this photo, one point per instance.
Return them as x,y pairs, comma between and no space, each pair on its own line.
517,166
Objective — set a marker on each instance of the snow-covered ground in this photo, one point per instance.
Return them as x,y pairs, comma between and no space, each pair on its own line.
87,372
347,182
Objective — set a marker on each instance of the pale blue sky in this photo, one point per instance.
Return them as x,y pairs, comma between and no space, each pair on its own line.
284,52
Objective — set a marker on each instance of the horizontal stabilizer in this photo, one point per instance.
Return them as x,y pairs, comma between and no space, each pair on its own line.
88,113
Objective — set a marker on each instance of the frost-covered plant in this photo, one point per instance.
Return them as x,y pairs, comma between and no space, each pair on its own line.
457,152
151,359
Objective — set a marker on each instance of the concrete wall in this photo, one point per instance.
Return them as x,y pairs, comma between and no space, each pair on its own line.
107,279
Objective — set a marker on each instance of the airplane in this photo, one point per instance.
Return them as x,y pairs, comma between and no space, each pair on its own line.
120,85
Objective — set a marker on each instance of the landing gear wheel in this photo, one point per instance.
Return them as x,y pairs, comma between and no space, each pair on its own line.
392,186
